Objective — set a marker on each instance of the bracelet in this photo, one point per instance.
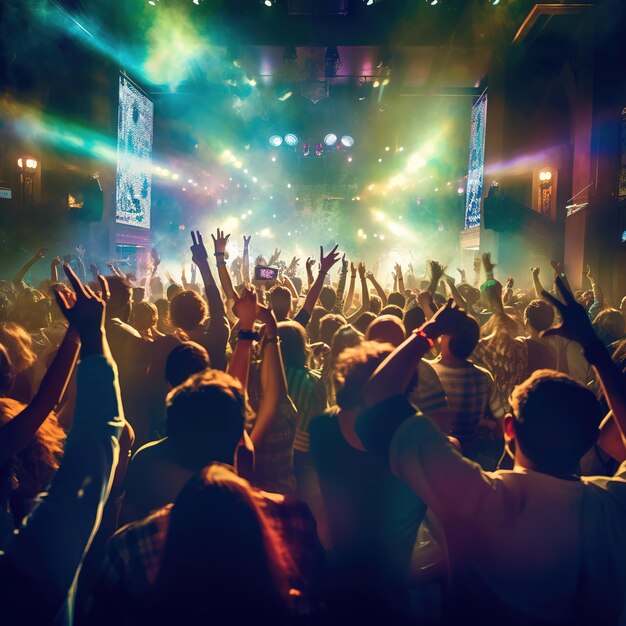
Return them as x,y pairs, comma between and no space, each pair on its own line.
421,333
218,254
248,335
220,263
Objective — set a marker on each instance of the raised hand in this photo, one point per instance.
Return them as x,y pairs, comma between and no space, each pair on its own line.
461,272
327,262
487,264
245,308
444,321
556,266
510,282
575,323
56,261
294,264
80,250
353,270
219,242
83,308
436,269
398,270
588,274
156,260
477,264
275,256
361,269
199,254
41,253
535,272
246,240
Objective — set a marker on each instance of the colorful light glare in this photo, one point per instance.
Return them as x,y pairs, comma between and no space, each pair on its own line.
330,139
276,141
347,141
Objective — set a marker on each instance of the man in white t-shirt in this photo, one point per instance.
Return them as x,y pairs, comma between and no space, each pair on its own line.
535,545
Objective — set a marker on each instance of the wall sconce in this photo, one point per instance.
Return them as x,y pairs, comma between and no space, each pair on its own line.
545,192
28,167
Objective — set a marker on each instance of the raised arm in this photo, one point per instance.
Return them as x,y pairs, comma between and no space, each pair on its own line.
309,272
18,279
365,296
341,287
435,270
42,559
80,256
399,278
393,375
598,296
220,241
326,264
454,292
348,303
508,290
16,434
218,323
576,326
538,287
54,271
246,259
379,290
245,308
273,380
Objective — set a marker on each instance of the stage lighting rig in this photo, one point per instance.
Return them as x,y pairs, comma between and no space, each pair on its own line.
276,141
330,139
347,141
291,140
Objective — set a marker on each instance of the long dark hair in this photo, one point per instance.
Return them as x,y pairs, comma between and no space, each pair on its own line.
222,563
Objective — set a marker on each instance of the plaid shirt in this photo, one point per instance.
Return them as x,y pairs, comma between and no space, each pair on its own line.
132,562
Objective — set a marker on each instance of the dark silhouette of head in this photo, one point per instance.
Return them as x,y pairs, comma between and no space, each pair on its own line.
353,368
386,329
188,310
293,345
392,309
280,301
462,340
184,360
555,421
328,297
205,419
376,304
329,325
538,315
362,324
413,319
609,326
395,297
222,563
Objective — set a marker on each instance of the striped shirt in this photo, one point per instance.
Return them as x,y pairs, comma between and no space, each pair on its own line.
308,393
471,394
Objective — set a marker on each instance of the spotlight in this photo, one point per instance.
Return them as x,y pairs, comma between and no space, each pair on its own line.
347,141
330,139
432,2
376,84
276,141
385,82
269,3
291,139
494,2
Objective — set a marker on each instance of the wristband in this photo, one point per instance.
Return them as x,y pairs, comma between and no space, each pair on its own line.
218,254
249,335
421,333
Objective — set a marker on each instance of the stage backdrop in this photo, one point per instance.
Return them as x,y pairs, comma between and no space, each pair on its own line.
134,155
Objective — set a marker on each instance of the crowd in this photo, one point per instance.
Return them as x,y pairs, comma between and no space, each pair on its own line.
320,448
